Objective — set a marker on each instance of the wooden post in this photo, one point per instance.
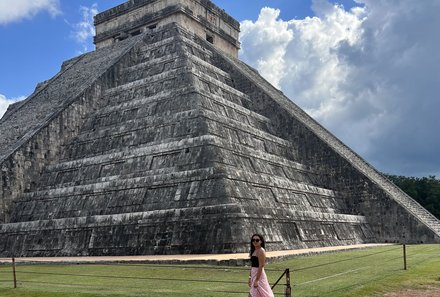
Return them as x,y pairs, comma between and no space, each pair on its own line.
288,288
13,272
404,256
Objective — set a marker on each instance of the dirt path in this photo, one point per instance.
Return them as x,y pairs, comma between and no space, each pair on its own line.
208,258
426,292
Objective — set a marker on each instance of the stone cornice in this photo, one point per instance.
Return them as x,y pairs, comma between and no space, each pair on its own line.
135,4
156,16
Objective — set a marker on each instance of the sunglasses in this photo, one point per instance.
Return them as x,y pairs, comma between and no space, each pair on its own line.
255,240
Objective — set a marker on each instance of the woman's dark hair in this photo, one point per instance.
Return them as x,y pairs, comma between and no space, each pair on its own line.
263,243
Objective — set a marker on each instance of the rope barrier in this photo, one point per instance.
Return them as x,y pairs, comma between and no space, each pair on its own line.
419,257
97,287
243,292
371,280
427,251
343,260
346,272
181,266
75,285
190,267
106,287
131,277
331,276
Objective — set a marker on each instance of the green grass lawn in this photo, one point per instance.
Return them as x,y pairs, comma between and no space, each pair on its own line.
366,272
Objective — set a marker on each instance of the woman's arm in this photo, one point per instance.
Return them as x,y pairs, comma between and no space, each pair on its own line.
261,261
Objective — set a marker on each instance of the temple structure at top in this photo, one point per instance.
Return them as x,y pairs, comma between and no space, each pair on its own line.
200,17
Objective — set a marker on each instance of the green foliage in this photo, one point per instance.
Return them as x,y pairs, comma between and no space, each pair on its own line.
425,190
361,273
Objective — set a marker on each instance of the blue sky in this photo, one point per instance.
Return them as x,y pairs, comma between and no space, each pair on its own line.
33,47
366,69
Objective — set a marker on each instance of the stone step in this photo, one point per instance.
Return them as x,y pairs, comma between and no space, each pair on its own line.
253,160
173,79
113,144
219,141
143,218
143,101
214,86
168,102
129,153
153,59
172,154
203,60
174,45
140,200
185,155
175,160
161,104
176,79
155,180
126,196
421,213
109,126
261,179
211,70
241,128
126,171
202,52
247,131
151,68
154,49
172,61
276,160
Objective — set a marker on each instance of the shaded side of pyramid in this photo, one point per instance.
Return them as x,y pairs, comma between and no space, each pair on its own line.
162,143
391,215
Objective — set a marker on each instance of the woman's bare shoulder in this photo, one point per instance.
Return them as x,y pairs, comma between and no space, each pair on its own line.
261,251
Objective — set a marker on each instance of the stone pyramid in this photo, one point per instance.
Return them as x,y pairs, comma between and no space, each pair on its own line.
161,141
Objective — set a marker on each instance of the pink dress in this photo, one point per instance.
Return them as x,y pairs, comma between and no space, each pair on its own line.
263,289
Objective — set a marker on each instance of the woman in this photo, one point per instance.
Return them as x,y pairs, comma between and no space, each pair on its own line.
258,284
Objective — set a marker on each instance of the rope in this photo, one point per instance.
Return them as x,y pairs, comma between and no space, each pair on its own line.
343,260
132,277
331,276
225,269
179,266
243,293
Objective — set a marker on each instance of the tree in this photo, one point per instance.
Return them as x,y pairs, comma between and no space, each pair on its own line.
425,190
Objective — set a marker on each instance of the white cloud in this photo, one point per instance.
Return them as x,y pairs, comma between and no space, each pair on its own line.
369,74
273,32
84,30
16,10
5,102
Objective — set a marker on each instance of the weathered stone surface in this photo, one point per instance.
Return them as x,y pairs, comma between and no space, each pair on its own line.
201,17
161,144
34,132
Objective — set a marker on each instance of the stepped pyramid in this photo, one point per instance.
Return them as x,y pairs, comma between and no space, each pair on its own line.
161,141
